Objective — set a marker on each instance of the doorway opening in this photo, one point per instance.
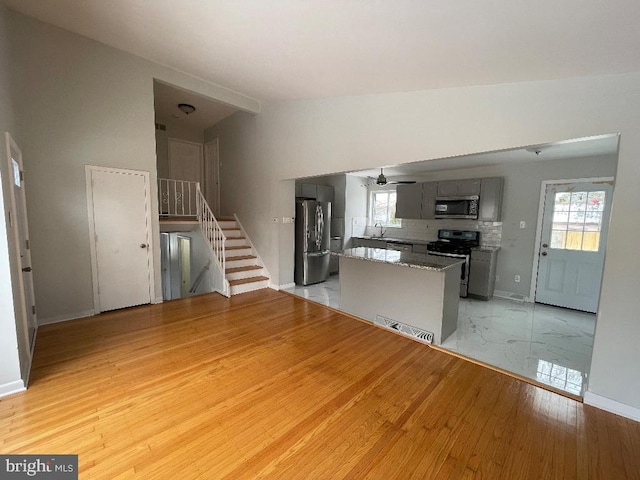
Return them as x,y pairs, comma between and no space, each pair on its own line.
571,242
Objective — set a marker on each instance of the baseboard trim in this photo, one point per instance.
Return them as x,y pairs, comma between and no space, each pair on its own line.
604,403
516,297
65,318
283,286
158,300
11,388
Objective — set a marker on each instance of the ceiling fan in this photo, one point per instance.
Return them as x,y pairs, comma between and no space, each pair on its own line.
382,180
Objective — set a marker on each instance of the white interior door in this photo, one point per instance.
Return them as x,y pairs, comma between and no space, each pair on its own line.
212,175
185,160
26,320
185,163
184,253
119,209
573,241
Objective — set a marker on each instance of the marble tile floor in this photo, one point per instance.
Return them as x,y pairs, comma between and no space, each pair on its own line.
326,293
547,344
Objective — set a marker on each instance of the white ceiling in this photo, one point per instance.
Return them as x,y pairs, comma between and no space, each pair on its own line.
580,148
291,49
208,113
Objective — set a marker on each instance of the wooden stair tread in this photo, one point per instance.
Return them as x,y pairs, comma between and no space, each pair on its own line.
236,238
242,281
241,257
178,218
229,229
243,269
240,247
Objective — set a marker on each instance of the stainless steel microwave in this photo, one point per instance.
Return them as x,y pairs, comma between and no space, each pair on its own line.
457,207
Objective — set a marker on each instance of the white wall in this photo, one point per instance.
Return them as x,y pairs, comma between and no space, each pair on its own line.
10,358
317,137
81,102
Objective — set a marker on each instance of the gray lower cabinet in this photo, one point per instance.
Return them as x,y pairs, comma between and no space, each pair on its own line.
420,248
335,245
482,273
490,207
368,242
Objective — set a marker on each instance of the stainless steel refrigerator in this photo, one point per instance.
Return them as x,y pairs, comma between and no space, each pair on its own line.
313,225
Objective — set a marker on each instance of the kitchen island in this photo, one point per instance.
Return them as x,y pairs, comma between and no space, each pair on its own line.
388,286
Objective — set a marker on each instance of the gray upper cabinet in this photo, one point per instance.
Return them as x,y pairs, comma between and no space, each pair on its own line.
490,208
324,193
308,190
321,193
409,201
429,193
416,201
448,188
452,188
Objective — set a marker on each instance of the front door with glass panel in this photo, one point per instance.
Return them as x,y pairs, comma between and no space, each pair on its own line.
572,246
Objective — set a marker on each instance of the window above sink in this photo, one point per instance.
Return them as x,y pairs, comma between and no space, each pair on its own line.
382,209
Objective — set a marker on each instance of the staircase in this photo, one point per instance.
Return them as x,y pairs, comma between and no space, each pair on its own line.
243,271
238,267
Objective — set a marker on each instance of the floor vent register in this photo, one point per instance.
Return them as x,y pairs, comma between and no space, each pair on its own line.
407,330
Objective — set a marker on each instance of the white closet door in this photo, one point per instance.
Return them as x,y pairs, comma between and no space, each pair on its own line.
119,206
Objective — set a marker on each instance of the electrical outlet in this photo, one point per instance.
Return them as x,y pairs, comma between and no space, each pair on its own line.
523,224
516,279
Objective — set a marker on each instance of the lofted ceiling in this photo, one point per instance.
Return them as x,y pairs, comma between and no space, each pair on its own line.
294,49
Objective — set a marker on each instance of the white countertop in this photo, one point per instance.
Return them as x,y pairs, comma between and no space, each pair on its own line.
416,241
404,259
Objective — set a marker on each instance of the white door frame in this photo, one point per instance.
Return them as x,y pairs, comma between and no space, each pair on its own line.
188,142
212,170
92,229
536,249
17,279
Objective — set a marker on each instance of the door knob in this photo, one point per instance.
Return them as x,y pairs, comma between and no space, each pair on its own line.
545,245
544,254
143,245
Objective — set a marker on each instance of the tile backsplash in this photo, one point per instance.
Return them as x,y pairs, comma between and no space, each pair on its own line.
490,232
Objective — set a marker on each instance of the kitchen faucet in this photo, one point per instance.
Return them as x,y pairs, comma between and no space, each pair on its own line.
382,232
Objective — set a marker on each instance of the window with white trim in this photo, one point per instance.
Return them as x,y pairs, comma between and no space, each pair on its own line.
383,208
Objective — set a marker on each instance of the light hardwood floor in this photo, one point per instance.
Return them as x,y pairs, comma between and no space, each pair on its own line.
267,385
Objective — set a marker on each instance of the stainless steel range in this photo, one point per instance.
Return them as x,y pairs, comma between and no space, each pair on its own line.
456,244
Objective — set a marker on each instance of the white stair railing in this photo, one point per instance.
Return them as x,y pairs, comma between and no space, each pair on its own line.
177,198
215,237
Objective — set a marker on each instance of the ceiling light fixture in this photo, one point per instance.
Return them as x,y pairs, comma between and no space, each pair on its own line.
186,108
536,150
